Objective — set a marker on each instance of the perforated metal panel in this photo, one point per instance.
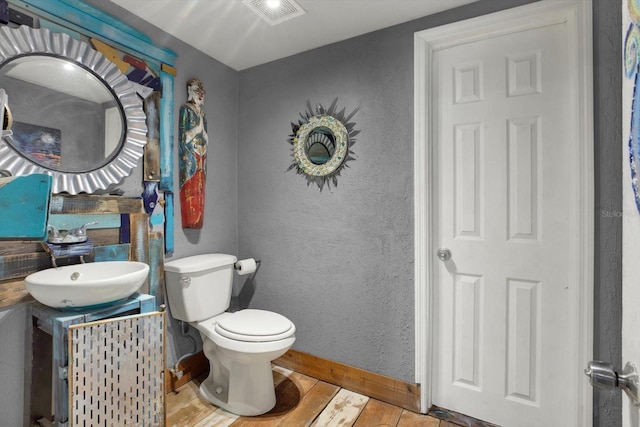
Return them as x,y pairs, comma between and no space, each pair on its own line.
116,372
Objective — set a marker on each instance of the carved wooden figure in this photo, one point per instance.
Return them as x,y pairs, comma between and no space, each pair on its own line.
193,155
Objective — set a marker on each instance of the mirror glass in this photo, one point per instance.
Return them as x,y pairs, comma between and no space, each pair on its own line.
320,145
65,118
76,116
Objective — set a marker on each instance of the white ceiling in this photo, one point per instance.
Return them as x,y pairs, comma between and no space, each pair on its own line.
232,33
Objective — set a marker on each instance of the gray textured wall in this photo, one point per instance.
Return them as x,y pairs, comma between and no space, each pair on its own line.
13,323
607,73
338,263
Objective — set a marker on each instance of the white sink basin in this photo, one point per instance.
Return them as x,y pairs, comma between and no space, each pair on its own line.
86,285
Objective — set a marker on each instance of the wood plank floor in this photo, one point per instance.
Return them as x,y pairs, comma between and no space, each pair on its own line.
301,401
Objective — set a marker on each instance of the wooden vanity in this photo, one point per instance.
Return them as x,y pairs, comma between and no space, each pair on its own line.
123,233
57,362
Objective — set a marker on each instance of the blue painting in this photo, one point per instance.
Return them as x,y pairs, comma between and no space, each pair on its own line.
38,143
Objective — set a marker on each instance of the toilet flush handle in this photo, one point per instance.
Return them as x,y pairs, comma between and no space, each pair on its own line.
185,281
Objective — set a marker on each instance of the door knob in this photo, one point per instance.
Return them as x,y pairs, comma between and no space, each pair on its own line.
444,254
601,375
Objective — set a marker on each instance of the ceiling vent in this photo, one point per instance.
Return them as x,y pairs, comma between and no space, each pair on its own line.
287,9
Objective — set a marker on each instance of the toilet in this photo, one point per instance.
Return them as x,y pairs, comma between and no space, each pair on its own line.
239,346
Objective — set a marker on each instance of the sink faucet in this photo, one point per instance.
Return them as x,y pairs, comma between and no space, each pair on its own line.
54,233
75,243
78,235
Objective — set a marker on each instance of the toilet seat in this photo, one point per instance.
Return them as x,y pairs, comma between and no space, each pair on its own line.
251,325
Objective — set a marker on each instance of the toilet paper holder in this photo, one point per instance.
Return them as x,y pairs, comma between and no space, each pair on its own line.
240,266
601,375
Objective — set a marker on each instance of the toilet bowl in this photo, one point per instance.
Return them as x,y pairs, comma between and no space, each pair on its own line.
240,378
239,346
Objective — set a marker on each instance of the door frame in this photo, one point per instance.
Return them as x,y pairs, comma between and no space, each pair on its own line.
577,15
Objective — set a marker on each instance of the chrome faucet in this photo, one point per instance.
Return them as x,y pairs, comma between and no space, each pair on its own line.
74,243
54,234
74,235
78,235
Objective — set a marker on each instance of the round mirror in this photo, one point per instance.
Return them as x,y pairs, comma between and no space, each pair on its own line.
320,145
75,115
64,117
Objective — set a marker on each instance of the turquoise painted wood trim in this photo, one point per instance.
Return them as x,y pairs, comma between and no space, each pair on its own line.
93,21
148,304
55,28
51,316
24,206
112,252
166,157
156,265
99,14
60,360
69,221
168,224
157,218
166,132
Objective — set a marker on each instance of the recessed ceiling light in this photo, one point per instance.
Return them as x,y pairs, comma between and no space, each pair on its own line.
283,11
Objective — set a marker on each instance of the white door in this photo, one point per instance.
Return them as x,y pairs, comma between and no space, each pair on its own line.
506,207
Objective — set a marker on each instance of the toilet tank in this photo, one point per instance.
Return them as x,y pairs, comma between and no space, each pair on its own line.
199,286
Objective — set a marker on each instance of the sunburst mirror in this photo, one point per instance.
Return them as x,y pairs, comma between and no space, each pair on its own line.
321,143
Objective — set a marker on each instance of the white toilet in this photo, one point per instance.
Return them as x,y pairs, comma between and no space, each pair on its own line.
240,346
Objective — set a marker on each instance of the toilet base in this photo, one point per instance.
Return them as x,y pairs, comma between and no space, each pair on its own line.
240,377
247,398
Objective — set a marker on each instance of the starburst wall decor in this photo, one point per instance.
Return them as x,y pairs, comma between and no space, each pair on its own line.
321,143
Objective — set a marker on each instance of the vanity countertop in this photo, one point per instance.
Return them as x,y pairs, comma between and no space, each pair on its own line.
13,292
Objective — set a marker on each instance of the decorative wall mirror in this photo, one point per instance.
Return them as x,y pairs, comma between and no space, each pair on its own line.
321,143
76,117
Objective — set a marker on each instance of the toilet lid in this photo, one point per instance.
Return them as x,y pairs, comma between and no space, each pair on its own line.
255,325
